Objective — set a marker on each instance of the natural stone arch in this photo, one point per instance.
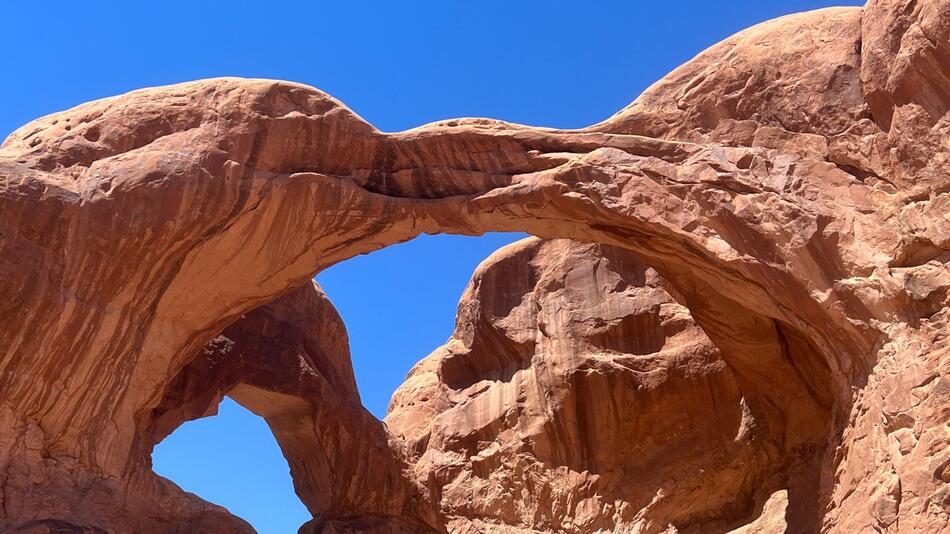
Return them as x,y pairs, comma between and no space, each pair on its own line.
151,221
289,362
232,263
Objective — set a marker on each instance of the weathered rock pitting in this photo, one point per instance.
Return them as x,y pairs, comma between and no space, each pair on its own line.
790,186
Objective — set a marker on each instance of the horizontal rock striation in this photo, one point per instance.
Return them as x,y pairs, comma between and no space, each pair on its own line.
789,186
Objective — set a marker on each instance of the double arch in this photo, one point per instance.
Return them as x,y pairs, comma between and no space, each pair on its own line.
253,186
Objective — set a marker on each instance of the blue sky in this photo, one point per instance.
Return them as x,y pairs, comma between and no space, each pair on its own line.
398,64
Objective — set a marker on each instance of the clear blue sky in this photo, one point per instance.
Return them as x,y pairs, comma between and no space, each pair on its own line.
398,64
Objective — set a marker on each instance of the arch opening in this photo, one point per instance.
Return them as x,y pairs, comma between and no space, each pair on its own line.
400,303
231,458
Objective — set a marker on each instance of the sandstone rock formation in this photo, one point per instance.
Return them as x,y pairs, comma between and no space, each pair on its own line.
288,361
578,396
790,186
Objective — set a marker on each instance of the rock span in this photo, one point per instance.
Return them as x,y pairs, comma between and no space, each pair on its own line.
757,340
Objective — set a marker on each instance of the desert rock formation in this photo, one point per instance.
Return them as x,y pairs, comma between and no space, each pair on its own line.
577,395
769,226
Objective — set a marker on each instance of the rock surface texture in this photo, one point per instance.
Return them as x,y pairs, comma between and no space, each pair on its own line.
753,336
577,395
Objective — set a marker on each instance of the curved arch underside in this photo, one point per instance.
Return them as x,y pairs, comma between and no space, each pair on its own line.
754,334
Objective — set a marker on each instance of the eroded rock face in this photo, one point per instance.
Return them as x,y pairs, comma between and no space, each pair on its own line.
790,186
577,395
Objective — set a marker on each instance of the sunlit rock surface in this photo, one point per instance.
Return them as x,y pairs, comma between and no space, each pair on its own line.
757,341
578,395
